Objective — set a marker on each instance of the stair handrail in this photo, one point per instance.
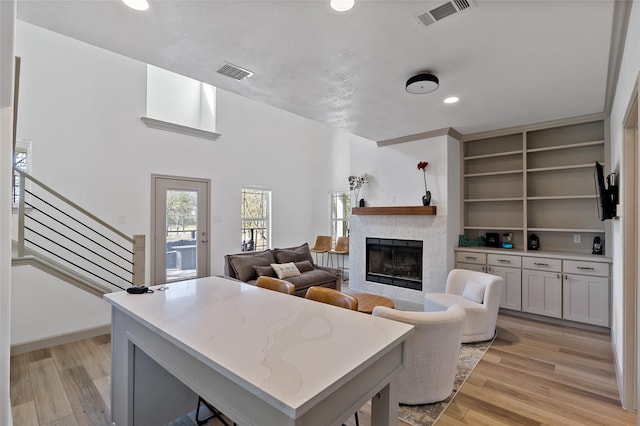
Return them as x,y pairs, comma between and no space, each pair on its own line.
137,240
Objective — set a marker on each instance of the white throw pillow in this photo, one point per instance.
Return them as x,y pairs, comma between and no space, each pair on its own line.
474,291
285,270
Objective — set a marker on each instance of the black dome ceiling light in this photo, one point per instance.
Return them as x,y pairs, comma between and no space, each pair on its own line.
422,83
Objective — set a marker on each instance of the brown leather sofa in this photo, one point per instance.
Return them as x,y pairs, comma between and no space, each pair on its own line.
248,266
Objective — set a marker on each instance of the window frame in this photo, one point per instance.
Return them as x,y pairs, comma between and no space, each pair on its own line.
22,146
334,218
266,194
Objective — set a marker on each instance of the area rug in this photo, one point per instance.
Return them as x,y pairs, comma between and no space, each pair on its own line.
426,415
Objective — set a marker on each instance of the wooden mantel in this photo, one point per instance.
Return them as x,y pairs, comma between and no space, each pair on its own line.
395,210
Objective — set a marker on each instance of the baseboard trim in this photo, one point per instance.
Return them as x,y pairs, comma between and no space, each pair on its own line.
557,321
60,339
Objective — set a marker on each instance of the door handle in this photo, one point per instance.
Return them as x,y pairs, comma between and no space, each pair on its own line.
204,241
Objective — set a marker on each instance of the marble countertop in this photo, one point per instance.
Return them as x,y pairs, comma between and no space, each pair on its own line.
287,349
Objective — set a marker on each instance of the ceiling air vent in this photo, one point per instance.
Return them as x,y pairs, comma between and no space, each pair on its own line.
234,72
447,9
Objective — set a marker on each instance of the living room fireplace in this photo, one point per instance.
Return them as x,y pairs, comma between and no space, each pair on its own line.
394,262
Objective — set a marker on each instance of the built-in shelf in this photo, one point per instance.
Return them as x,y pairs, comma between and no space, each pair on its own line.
566,167
572,230
498,154
492,200
395,210
537,180
563,197
505,172
496,228
567,146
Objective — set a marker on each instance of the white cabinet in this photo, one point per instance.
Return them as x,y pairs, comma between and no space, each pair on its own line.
570,287
586,294
508,268
512,290
542,293
471,261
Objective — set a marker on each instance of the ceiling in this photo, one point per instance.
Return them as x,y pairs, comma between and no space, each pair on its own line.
510,62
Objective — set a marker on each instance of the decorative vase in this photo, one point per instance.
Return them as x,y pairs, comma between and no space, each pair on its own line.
361,202
426,199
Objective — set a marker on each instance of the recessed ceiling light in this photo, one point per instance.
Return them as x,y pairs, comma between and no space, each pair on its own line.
341,5
451,100
137,4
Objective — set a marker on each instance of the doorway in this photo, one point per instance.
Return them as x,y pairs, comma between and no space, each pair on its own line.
179,228
630,250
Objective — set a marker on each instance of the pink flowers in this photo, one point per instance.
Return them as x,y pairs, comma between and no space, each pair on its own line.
423,165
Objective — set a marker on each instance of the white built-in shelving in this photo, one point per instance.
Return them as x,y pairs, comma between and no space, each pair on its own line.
538,179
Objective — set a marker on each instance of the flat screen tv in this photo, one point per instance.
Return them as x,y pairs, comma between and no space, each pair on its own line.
604,195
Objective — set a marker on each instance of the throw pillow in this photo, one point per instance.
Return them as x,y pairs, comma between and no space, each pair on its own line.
265,271
293,254
474,291
304,266
243,264
285,270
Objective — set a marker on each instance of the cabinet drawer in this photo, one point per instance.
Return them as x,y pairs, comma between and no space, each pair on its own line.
468,257
504,260
585,268
542,264
471,267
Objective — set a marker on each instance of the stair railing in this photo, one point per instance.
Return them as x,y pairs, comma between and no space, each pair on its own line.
55,227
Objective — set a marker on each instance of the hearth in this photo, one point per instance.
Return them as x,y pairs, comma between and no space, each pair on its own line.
394,262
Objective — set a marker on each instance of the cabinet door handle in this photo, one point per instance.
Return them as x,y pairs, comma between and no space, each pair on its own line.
471,258
484,269
586,268
540,264
558,276
504,261
488,268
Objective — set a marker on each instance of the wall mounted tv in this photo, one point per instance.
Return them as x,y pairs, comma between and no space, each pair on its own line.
607,196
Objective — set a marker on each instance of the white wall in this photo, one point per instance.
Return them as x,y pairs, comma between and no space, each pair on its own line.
628,75
34,291
81,107
393,175
7,19
173,97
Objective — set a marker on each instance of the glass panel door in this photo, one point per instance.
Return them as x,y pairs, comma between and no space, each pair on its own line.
181,245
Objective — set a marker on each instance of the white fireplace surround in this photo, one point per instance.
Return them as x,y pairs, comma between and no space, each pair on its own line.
431,230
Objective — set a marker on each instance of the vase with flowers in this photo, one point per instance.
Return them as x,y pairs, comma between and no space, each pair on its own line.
426,198
355,184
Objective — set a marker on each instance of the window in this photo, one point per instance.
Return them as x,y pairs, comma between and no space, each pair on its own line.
21,161
340,214
180,104
256,219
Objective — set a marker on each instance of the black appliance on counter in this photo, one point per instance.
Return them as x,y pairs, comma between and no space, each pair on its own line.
493,239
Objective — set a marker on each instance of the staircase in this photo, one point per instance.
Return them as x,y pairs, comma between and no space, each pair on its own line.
62,239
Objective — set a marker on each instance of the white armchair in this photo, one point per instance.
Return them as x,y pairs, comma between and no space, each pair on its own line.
478,294
430,354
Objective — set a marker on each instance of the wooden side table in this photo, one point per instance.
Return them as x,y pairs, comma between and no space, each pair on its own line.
366,302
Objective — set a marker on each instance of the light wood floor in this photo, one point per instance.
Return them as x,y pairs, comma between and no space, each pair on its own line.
533,374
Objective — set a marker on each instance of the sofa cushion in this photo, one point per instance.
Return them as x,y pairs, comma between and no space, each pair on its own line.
285,270
265,271
293,254
243,264
315,277
304,266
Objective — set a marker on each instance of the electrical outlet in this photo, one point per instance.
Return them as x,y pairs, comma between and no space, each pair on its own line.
577,238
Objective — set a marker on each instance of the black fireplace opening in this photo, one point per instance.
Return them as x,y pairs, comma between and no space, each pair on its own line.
394,262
